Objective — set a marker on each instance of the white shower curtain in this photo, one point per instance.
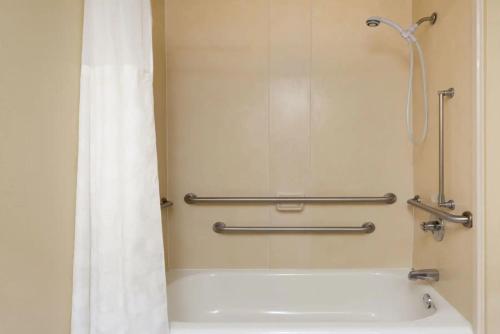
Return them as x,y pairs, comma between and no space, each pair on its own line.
119,272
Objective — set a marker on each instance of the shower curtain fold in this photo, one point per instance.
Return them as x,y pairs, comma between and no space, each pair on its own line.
119,281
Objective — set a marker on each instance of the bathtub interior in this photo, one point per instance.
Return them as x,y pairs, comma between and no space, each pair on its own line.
274,296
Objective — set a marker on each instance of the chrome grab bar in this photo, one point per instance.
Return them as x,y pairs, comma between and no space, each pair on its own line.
465,218
386,199
164,203
221,227
442,202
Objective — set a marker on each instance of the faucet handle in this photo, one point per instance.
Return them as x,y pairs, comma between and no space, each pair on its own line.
431,226
436,227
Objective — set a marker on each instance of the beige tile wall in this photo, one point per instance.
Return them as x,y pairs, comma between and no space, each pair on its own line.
449,50
287,96
492,167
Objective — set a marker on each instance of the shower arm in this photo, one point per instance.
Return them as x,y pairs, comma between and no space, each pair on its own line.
432,19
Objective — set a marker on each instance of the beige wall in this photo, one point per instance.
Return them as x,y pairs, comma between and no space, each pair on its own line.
287,96
449,50
160,86
40,44
492,166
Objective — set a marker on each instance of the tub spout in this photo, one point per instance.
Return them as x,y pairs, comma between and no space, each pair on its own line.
431,275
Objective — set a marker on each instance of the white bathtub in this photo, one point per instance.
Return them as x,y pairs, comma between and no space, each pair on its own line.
306,301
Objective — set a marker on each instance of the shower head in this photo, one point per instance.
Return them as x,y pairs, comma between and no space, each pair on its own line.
374,21
408,35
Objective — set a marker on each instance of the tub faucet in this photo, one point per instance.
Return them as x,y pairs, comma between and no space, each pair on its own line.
424,275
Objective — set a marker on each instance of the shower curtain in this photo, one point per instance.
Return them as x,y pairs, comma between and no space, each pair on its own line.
119,272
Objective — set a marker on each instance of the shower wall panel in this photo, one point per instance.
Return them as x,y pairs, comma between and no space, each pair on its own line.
298,97
450,63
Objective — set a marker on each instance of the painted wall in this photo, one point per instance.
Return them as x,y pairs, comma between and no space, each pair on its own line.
492,167
449,49
40,43
160,99
287,97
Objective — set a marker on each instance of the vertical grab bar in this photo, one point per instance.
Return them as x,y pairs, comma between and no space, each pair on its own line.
442,202
466,217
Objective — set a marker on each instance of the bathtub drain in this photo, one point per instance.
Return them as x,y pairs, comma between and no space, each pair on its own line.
428,301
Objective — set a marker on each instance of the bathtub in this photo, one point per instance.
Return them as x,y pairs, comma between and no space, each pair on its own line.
306,301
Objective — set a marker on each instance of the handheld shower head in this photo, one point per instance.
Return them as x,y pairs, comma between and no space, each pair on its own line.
374,21
408,35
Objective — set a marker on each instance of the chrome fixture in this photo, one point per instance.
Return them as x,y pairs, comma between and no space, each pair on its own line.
220,227
164,203
431,226
409,35
465,218
431,19
375,21
430,275
436,227
427,300
442,202
389,198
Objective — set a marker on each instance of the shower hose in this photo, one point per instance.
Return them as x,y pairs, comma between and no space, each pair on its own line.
409,109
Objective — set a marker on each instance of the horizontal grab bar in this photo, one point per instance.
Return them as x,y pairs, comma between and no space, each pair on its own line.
220,227
465,219
386,199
